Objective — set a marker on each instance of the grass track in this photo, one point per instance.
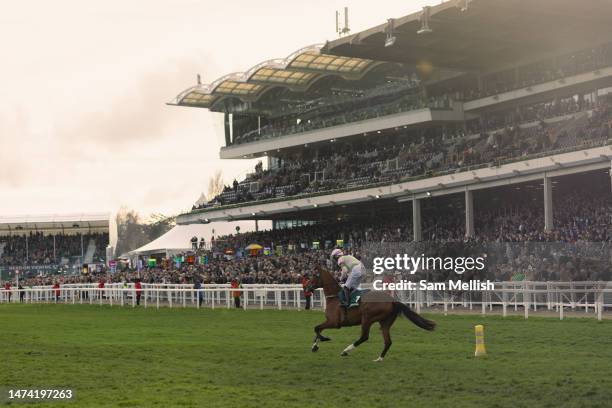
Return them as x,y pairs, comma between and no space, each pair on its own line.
233,358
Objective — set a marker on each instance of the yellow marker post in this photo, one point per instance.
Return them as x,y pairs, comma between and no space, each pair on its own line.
480,343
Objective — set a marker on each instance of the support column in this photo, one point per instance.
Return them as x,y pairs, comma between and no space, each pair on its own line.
548,204
469,214
417,232
610,175
256,225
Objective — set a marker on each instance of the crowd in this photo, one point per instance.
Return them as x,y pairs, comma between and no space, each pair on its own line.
511,234
579,246
337,110
392,98
411,154
542,71
36,248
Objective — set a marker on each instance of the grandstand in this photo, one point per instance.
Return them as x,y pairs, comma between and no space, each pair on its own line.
49,244
463,106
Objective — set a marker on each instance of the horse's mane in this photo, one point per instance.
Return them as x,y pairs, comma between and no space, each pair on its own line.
328,280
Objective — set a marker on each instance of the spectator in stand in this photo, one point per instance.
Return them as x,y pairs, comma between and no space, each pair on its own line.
495,139
36,248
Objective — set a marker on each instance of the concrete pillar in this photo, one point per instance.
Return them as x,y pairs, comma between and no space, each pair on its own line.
548,204
610,175
469,214
417,231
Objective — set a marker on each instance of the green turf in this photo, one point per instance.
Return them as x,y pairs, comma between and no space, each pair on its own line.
234,358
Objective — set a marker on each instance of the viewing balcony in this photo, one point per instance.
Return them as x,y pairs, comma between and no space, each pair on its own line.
332,133
583,82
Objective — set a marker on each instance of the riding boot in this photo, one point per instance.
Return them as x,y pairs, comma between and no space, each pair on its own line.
347,296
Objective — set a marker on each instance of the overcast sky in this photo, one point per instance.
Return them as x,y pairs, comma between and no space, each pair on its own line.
83,84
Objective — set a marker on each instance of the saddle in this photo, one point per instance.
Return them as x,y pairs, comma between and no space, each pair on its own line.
355,296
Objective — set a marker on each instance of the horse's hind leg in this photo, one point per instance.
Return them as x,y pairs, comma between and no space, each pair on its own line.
365,334
385,326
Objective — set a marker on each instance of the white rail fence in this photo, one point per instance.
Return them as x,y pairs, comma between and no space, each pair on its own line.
169,295
557,297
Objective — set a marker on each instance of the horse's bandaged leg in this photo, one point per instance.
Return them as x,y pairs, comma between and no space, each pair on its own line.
348,348
315,345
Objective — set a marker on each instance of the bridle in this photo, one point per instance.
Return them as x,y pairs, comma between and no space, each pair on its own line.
311,287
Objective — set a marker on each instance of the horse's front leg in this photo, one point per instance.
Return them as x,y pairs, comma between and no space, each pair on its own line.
318,336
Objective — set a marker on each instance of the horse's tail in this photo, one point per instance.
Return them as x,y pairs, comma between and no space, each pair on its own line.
414,317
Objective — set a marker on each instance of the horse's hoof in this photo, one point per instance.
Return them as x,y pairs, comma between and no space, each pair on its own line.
323,338
378,360
315,348
343,354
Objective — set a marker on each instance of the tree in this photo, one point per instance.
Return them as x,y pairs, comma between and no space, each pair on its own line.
215,185
133,232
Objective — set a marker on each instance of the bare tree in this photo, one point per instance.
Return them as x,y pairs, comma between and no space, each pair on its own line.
134,232
215,185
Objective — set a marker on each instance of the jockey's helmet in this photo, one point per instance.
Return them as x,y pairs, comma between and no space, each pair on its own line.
336,253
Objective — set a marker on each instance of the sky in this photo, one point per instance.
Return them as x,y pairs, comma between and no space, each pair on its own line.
84,125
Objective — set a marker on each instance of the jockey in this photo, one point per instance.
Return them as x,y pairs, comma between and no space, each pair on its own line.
351,266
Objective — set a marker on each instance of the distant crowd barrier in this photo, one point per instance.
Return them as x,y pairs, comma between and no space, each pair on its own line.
521,297
169,295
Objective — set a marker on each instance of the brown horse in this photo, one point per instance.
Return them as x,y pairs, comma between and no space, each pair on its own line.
375,306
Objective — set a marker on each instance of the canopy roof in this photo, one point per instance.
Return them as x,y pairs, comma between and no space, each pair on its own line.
457,35
67,222
483,34
296,72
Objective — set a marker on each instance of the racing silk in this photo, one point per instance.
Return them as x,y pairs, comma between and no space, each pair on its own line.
348,262
354,268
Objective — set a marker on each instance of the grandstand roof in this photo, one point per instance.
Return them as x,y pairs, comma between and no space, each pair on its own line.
296,72
53,222
483,34
466,35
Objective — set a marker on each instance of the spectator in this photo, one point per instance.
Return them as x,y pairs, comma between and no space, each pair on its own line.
307,291
235,284
138,289
57,291
7,288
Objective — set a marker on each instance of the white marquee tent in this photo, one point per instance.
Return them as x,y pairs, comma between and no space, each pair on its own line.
178,239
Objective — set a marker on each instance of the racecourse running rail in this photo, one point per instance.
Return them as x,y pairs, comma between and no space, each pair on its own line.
591,297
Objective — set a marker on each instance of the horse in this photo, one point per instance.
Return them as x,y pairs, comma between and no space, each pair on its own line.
375,306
